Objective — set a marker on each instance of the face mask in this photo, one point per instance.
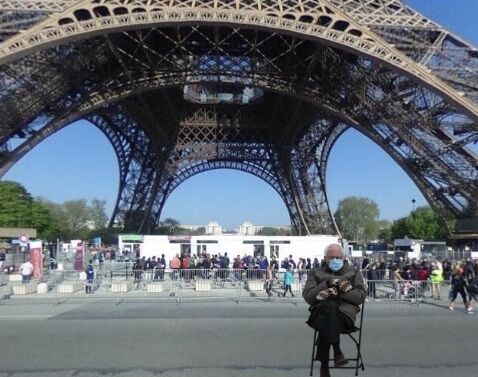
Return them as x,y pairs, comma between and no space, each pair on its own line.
336,264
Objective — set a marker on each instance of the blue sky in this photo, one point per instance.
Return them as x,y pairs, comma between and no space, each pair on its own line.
78,162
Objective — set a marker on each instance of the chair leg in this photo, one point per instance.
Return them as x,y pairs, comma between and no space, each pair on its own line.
313,354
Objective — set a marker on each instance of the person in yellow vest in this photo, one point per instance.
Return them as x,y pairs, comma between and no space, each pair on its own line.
436,278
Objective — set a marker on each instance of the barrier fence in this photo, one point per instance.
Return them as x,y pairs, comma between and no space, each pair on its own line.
177,285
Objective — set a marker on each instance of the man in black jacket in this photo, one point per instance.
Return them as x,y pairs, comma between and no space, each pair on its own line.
334,291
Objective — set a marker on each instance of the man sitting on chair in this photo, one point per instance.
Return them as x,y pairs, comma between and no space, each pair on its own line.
334,292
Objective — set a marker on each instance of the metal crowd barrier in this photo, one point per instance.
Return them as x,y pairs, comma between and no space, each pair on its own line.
183,284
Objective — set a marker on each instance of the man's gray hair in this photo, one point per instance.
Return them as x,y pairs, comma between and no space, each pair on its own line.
334,246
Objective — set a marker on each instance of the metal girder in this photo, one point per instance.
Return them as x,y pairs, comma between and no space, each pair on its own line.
36,5
294,74
320,20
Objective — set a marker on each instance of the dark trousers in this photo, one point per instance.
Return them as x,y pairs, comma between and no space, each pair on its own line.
269,287
372,290
329,322
288,288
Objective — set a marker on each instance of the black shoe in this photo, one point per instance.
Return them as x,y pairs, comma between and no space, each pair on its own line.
324,372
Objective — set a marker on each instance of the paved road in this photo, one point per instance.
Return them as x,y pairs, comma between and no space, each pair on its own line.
224,339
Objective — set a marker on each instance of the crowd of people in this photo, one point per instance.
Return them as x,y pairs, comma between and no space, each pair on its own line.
408,274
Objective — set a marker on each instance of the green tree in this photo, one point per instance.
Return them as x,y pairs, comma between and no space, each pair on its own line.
357,218
77,213
59,219
18,209
385,231
97,213
15,205
423,223
43,222
271,231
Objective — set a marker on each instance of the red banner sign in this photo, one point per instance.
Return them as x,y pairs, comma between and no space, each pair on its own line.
79,257
36,258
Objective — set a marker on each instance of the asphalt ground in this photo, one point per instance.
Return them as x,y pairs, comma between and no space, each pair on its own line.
225,339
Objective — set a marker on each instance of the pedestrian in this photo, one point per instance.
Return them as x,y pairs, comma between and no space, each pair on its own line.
175,266
397,280
269,280
372,277
101,259
472,290
162,267
90,276
138,271
292,262
308,265
288,280
26,269
458,284
436,279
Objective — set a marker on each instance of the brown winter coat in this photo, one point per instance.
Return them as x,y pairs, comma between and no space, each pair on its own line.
350,301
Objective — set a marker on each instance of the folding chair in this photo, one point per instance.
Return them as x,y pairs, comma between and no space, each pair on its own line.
358,359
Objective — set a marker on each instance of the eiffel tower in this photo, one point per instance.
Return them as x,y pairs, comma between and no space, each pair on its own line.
266,87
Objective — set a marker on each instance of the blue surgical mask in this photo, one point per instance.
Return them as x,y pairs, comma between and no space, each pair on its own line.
336,264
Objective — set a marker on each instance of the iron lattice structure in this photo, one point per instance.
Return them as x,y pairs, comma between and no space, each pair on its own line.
263,86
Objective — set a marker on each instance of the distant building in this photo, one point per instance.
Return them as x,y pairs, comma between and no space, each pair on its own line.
248,229
191,228
213,228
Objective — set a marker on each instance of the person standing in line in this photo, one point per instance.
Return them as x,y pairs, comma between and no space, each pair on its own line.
397,281
372,277
138,271
436,278
288,280
26,269
161,267
90,276
175,266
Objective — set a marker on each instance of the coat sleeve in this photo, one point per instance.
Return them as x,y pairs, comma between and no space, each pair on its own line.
358,294
312,288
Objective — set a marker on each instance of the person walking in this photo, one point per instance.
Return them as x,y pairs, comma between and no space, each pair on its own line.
472,290
90,276
288,280
458,284
269,280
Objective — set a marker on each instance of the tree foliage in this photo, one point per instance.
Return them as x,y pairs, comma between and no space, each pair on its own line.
19,209
98,213
15,205
357,218
423,223
271,231
69,220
